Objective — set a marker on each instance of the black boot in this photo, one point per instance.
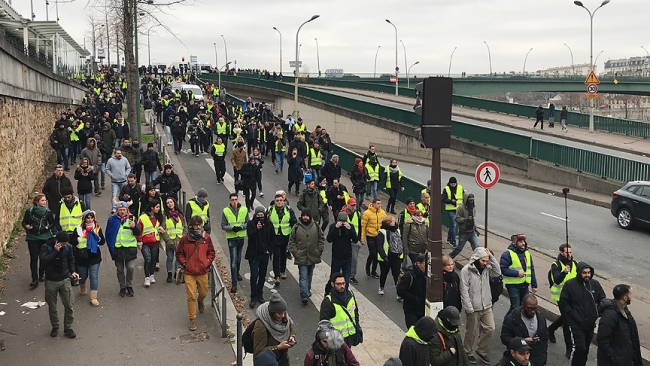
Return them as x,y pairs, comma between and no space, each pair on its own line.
169,277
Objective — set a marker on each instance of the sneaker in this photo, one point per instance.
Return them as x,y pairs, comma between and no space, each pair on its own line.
471,359
381,291
239,277
152,280
399,299
34,283
233,289
551,337
147,282
283,276
484,358
276,171
129,291
103,187
123,292
305,300
277,281
169,277
193,325
374,275
354,281
252,303
201,307
98,193
54,332
261,194
70,333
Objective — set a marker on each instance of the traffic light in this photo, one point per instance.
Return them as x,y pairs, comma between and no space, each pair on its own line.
435,108
183,58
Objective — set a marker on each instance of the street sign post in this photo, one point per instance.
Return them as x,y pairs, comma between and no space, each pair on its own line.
487,176
592,78
592,91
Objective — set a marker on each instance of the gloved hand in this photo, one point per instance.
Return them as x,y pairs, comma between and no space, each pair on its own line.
236,228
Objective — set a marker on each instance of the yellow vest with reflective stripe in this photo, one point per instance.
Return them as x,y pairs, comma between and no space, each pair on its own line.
82,241
300,128
399,176
279,147
67,218
322,194
197,211
516,265
387,246
420,206
355,221
315,159
148,228
175,231
221,128
235,221
556,289
280,226
219,149
341,321
459,197
373,174
125,237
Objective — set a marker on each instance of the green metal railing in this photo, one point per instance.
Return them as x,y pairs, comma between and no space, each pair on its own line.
503,140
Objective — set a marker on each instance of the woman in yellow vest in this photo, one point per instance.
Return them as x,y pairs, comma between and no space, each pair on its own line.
86,239
393,184
149,239
390,251
175,227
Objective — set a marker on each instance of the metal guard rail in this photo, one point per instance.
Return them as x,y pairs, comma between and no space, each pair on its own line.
218,298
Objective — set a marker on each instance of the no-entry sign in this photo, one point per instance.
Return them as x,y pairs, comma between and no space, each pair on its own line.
487,175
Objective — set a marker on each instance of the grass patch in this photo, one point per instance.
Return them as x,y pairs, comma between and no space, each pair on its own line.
146,138
143,120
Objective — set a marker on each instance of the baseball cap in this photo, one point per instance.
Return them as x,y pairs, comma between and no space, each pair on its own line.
518,344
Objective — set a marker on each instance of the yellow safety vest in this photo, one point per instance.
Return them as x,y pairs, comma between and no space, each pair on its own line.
82,241
373,174
556,289
387,246
279,147
516,265
399,176
407,215
459,197
300,128
219,149
315,158
341,321
166,102
148,228
70,219
280,226
322,194
197,211
235,221
355,221
221,128
125,237
175,231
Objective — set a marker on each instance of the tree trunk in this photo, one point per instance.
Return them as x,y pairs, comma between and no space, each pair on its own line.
130,64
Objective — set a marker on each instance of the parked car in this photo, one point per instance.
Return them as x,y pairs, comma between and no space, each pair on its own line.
631,205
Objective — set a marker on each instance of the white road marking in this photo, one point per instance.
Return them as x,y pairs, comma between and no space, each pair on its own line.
555,217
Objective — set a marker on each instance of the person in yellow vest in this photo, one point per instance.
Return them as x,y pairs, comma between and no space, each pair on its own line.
518,271
407,213
562,270
234,221
452,198
372,167
354,219
175,227
218,152
282,218
299,127
199,206
315,157
86,239
150,224
121,233
393,184
69,211
221,129
390,251
332,308
423,206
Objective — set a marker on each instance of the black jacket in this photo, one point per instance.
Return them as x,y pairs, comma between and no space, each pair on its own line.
58,265
250,175
150,161
83,257
170,184
507,360
84,182
513,326
413,289
52,190
259,240
332,197
579,300
558,270
451,290
342,240
618,337
414,353
134,194
331,171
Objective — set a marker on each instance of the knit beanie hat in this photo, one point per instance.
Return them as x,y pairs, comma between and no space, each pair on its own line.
277,304
62,237
202,193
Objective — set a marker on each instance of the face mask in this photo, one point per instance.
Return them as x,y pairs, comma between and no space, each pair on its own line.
196,232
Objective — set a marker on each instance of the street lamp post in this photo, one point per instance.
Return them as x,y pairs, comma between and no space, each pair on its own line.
226,65
299,49
295,79
450,58
216,56
277,30
596,60
489,56
573,66
406,65
591,53
374,74
525,59
317,56
225,46
408,80
148,46
396,66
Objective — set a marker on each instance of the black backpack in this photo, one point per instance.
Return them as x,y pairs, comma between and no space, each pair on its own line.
496,288
247,337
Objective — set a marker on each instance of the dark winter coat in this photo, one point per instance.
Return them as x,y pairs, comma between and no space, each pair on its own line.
513,326
451,290
342,240
250,175
151,161
259,240
618,337
52,190
84,182
296,166
415,351
440,345
170,184
59,265
358,179
312,200
62,137
331,171
579,300
413,289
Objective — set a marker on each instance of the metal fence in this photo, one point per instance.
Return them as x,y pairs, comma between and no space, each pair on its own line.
218,298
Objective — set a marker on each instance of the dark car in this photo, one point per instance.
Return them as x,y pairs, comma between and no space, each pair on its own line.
631,205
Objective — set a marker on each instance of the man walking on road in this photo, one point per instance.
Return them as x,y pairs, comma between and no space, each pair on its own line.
121,233
579,303
257,253
452,198
283,219
342,235
340,307
218,152
354,219
465,218
477,301
311,198
117,168
618,336
199,206
53,186
234,222
528,323
518,270
562,270
412,288
370,225
518,353
306,243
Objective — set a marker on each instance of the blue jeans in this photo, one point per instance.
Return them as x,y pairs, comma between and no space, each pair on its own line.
150,176
235,248
118,141
258,266
306,274
115,191
171,253
462,239
344,266
62,156
91,272
168,132
102,169
74,149
371,186
85,198
279,160
314,174
516,294
451,234
150,253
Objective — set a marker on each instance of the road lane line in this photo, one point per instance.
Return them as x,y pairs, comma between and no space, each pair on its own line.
555,217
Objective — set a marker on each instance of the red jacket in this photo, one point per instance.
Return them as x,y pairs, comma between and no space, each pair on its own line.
201,260
149,239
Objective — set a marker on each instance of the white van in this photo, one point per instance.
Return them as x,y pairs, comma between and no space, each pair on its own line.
198,93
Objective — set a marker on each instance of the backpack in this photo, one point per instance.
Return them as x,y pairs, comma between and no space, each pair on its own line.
550,274
496,288
401,277
247,337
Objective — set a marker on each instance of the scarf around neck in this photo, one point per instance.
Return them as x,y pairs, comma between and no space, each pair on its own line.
280,331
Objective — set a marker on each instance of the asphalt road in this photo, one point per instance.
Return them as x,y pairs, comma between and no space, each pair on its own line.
375,309
593,232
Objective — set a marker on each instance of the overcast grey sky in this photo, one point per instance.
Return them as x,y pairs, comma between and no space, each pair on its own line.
349,32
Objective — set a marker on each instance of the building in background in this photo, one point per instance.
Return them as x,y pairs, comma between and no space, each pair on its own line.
567,71
633,66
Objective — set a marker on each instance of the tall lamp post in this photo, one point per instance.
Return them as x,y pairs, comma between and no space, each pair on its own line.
591,53
374,74
226,65
645,63
451,58
277,30
295,79
406,65
523,71
216,56
573,66
408,80
225,46
596,60
489,56
396,66
317,56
